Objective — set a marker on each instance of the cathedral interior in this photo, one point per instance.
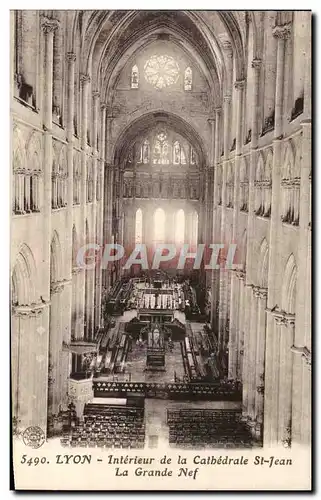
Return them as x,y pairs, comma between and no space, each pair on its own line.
152,127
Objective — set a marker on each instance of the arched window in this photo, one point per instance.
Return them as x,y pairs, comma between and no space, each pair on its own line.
139,226
194,229
161,149
244,186
159,225
290,184
258,184
145,153
180,226
229,186
188,79
135,77
193,157
179,157
176,153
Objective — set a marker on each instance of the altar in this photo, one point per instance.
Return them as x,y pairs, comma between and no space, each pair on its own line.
155,354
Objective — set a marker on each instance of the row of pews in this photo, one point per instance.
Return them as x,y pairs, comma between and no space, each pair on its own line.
113,350
106,426
208,428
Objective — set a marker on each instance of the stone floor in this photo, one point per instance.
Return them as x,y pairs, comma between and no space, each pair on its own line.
136,364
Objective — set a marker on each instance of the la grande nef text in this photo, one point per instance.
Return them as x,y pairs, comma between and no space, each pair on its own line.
153,467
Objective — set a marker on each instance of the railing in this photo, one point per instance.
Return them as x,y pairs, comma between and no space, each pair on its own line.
218,392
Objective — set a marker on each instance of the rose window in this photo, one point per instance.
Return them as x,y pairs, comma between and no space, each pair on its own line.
161,71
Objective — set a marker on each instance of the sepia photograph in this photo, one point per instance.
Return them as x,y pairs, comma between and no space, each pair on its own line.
160,253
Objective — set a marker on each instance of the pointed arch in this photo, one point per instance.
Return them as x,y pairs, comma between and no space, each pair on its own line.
75,247
289,286
259,173
263,264
24,277
288,161
55,259
268,166
259,187
243,250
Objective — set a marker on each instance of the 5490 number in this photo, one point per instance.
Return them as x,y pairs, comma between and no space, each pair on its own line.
33,460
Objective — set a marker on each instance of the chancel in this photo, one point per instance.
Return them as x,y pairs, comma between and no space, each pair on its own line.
151,128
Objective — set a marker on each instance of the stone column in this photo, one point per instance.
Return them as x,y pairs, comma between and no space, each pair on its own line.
246,348
252,356
224,278
240,328
213,281
260,362
100,214
216,224
84,80
31,365
285,381
272,366
256,65
71,58
58,80
48,26
234,315
234,302
282,33
268,387
55,345
274,400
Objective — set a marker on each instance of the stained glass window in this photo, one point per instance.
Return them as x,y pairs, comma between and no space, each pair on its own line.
188,79
161,149
193,157
179,157
145,151
161,71
135,77
176,153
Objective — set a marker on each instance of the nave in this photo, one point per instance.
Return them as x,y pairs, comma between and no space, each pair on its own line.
151,128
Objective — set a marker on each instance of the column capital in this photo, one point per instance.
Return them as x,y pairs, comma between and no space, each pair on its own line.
71,57
241,275
49,25
211,120
239,84
304,352
260,292
256,64
282,317
96,94
103,106
227,98
58,286
30,311
84,78
218,110
283,31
